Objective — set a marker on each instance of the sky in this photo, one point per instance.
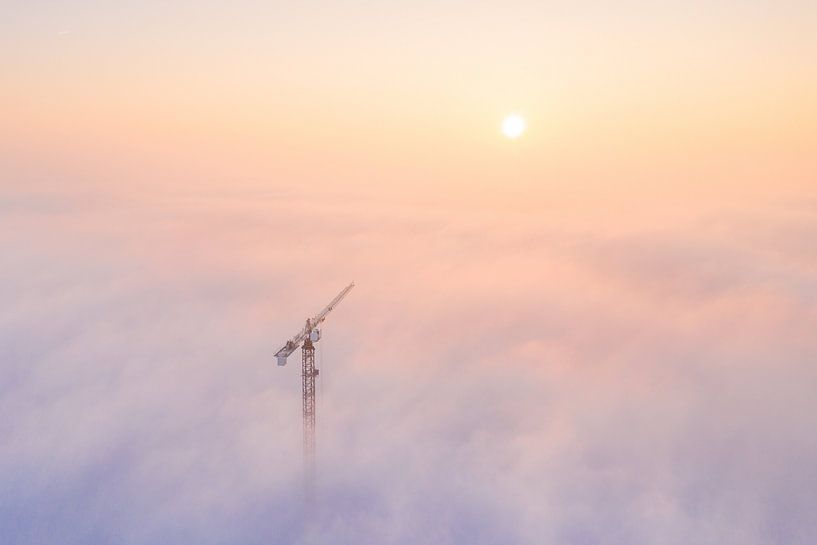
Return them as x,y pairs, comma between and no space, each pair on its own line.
601,332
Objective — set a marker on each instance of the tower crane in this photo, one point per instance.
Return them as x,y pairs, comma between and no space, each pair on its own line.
309,335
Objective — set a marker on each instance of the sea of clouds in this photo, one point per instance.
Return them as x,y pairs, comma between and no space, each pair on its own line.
493,378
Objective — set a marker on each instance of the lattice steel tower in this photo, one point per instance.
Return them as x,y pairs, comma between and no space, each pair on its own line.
308,374
309,335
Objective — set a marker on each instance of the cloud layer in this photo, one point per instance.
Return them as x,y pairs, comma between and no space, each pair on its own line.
495,377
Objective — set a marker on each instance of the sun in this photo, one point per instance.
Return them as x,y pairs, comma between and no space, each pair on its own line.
513,126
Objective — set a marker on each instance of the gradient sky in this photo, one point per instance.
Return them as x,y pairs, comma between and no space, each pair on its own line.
603,332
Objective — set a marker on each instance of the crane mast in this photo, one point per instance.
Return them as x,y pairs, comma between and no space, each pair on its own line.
306,338
308,374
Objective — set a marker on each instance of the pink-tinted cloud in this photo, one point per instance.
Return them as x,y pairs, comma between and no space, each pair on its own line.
488,381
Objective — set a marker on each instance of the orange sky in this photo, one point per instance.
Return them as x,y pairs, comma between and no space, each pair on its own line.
618,100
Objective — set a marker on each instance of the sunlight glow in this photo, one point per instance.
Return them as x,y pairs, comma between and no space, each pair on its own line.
513,126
